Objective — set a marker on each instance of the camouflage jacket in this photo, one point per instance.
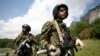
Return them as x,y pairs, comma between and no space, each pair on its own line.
21,37
49,33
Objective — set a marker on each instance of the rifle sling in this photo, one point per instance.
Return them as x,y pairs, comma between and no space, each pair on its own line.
58,31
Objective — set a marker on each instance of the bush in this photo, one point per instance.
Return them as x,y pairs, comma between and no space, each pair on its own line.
86,33
96,31
96,28
6,43
77,28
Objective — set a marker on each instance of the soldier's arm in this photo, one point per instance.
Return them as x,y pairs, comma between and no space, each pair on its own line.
46,30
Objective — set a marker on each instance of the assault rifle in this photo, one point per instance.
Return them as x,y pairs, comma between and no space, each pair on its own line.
24,43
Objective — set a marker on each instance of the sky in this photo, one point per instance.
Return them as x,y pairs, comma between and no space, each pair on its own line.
15,13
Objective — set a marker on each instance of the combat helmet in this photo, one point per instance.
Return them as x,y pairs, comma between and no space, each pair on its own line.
56,9
27,27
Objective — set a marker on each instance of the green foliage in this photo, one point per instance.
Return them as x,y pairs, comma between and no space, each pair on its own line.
86,30
79,26
85,33
96,28
6,43
96,31
96,22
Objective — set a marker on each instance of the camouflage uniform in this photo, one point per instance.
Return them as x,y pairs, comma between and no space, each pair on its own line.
25,51
49,33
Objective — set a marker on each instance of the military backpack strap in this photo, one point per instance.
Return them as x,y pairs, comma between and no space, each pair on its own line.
58,31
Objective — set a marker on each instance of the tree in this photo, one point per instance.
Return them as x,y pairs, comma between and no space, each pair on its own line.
86,33
6,43
96,28
77,28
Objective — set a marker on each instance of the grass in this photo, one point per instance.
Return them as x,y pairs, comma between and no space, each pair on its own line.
4,50
91,48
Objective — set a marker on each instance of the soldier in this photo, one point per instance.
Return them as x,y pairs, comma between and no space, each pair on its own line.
56,33
24,42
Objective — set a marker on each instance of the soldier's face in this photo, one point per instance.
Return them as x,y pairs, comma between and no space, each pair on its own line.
24,30
62,13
